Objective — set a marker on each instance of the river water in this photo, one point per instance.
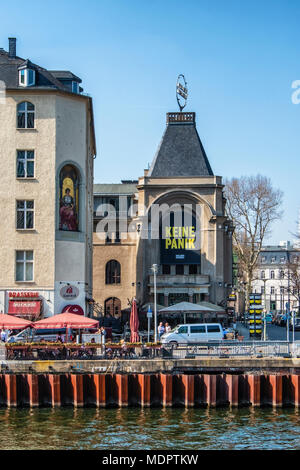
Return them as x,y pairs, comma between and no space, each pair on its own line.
149,429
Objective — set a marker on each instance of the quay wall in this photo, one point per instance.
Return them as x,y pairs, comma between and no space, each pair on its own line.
187,383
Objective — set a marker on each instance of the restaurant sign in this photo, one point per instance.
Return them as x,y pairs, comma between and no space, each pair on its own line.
69,292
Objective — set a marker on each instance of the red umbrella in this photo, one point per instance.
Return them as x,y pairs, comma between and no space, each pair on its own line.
66,320
11,322
134,323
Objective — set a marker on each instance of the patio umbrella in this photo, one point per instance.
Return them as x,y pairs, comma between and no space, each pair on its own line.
134,323
11,322
66,320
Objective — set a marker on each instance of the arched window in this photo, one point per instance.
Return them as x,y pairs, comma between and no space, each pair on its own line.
69,199
25,115
112,306
113,272
262,274
272,274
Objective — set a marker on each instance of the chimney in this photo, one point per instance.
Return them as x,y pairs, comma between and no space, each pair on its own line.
12,51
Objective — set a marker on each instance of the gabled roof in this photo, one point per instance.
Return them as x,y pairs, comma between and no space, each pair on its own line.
9,73
180,152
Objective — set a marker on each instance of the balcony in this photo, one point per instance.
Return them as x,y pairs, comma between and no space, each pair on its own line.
184,280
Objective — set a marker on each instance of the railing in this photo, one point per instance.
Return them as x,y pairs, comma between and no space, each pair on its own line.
181,117
234,349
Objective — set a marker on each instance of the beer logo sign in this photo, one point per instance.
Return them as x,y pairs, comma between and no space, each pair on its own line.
69,292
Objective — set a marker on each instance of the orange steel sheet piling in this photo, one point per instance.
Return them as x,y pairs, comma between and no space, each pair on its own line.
166,382
145,387
189,389
33,385
296,387
122,384
232,382
11,389
54,381
254,386
276,383
100,390
77,383
210,382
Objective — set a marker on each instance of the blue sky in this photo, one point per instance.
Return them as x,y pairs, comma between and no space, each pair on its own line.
239,59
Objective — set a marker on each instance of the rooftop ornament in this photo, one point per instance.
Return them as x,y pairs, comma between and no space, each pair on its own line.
181,92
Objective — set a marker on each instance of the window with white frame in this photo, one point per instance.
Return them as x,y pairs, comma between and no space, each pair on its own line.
272,290
282,259
273,259
26,77
262,274
263,259
281,289
25,115
272,274
25,215
281,274
24,266
262,290
25,163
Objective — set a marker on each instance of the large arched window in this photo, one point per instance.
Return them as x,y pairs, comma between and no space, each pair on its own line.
69,199
25,115
113,272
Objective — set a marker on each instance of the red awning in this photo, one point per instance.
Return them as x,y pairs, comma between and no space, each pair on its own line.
73,309
66,320
13,323
24,307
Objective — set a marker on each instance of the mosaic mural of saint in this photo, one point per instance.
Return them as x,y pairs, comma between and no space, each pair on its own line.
68,211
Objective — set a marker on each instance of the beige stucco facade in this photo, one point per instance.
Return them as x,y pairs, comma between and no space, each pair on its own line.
63,134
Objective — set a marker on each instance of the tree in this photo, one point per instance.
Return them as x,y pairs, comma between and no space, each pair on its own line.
293,275
252,204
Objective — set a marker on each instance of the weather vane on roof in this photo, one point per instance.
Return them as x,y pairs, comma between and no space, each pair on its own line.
181,92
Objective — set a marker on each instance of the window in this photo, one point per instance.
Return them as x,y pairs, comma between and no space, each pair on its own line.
272,290
198,329
166,269
26,77
272,274
24,266
281,290
262,274
25,164
193,268
262,290
25,115
113,272
75,87
183,330
179,269
213,329
273,259
281,274
282,259
25,214
263,259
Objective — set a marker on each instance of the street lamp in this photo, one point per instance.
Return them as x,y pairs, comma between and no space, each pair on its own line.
155,269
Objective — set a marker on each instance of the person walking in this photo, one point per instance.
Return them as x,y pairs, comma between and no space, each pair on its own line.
3,335
103,335
160,329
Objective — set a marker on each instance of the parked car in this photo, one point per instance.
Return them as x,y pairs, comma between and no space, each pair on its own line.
32,335
194,333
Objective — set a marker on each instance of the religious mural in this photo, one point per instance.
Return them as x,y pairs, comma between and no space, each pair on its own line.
68,210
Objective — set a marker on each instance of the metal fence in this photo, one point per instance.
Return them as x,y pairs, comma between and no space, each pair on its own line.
234,349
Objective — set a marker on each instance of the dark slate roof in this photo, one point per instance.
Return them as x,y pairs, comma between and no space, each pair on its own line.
180,152
9,73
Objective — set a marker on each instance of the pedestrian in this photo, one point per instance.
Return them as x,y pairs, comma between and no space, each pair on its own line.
167,328
160,329
3,335
103,334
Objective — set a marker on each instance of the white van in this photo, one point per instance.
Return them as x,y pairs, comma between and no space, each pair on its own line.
194,333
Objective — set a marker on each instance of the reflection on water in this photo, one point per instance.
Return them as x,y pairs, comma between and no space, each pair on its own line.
155,428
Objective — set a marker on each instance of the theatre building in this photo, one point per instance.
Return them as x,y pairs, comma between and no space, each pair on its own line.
189,247
47,147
